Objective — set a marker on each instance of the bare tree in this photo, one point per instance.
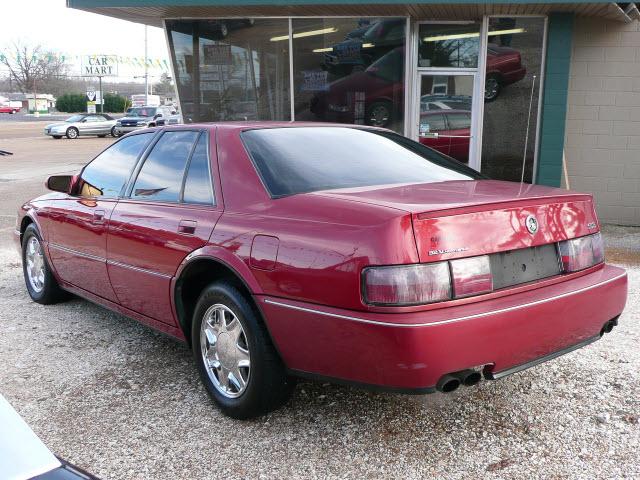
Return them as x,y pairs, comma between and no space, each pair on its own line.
32,67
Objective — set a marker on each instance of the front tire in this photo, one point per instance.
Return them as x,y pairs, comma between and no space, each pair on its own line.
42,286
115,133
236,360
72,133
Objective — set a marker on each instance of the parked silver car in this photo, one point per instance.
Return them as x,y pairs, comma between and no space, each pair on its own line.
99,124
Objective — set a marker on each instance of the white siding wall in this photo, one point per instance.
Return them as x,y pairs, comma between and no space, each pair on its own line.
602,144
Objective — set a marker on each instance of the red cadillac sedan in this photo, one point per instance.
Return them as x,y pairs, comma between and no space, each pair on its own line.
348,254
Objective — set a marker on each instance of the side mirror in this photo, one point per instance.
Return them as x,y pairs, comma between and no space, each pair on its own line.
60,183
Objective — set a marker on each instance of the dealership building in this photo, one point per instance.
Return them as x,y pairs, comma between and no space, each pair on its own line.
544,93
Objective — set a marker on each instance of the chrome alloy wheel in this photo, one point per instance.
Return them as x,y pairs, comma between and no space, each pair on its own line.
35,264
225,351
491,88
379,116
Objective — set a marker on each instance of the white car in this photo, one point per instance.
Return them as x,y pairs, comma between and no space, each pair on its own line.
23,455
83,124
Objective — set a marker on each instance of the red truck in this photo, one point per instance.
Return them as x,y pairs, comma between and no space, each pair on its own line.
11,109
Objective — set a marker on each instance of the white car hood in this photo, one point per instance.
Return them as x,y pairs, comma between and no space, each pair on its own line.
22,453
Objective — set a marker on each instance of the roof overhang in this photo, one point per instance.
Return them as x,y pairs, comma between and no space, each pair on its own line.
152,12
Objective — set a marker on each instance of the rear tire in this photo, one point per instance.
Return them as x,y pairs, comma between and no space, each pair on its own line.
42,286
225,350
114,132
72,133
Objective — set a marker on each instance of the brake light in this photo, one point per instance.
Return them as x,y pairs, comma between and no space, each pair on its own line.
580,253
407,284
471,276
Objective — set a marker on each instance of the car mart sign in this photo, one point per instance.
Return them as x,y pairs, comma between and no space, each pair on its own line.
99,66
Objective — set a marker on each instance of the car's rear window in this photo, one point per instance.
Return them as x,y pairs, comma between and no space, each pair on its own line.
294,160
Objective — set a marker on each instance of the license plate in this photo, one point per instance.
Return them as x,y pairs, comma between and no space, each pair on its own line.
524,265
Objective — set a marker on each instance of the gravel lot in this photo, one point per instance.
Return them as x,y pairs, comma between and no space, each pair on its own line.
125,403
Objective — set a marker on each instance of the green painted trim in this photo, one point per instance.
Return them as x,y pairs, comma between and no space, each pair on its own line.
239,3
554,100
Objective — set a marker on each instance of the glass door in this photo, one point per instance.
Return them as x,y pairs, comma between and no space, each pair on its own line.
447,88
444,122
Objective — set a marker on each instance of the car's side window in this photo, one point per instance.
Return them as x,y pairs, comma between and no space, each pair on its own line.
160,178
107,174
197,184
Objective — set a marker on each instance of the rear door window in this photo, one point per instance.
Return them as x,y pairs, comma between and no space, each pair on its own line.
160,178
107,174
197,185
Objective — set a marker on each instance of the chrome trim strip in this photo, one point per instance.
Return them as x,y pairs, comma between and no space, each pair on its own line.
108,262
76,253
137,269
442,322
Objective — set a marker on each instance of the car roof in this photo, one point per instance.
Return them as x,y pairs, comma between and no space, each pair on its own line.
256,125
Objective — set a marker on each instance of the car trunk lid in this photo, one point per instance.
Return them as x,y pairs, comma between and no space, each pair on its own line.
468,218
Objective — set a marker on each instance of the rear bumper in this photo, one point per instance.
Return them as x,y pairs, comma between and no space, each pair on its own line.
411,351
514,76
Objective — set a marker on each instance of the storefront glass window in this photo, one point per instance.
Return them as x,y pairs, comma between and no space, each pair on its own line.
512,89
231,69
448,45
350,70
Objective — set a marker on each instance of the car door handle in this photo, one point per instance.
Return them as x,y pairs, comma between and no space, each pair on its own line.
187,227
98,216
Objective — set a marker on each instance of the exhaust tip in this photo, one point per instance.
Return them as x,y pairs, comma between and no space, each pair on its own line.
448,383
472,378
608,326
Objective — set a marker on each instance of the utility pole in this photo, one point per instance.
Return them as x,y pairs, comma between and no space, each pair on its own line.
101,100
146,69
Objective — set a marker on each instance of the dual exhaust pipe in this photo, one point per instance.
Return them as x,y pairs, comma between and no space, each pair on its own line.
451,381
608,326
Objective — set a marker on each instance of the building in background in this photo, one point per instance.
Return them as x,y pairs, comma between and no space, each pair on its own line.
542,92
45,102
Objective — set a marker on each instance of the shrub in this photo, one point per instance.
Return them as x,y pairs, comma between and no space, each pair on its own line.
72,102
115,103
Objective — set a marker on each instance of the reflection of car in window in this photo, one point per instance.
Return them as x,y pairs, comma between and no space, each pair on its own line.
445,102
453,129
382,86
504,67
356,53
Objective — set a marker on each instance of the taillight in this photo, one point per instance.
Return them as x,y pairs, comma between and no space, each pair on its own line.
407,284
471,276
580,253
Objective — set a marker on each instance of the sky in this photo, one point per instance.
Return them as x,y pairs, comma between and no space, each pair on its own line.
74,33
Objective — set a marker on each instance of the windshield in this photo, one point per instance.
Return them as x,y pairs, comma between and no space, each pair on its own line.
308,159
74,118
141,112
